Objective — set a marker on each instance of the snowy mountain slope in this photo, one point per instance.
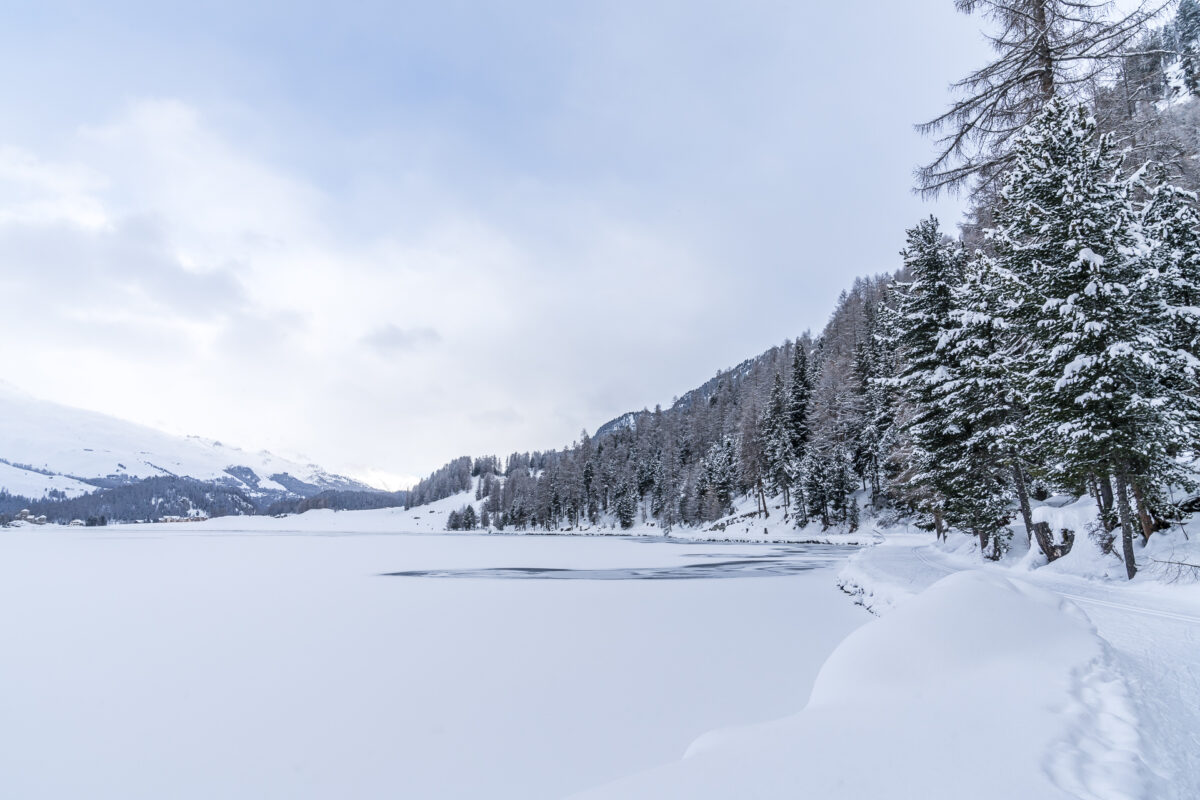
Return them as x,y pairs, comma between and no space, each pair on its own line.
700,394
27,483
46,446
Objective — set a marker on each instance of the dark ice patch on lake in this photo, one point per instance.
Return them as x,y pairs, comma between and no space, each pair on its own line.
779,560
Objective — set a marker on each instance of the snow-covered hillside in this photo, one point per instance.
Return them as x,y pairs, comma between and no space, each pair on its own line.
45,446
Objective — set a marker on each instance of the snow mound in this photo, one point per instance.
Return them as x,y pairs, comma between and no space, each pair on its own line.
981,687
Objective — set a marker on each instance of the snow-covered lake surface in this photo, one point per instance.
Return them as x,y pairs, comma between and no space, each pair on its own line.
192,662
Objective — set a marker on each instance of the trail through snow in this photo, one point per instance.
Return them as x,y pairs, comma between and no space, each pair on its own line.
1153,632
982,686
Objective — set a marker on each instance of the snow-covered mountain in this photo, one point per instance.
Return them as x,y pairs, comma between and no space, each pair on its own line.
45,446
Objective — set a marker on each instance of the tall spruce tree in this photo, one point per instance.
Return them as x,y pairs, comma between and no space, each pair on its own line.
777,441
1187,30
979,405
798,406
1097,348
1173,227
935,267
816,474
875,363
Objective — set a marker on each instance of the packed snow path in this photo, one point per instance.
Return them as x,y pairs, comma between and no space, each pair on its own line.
1154,631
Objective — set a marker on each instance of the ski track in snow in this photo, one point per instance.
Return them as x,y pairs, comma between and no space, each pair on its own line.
1139,704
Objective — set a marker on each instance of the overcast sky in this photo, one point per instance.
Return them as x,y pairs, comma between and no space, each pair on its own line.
384,235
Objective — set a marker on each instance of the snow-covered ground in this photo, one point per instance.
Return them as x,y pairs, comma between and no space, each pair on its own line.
980,687
327,654
188,661
1150,628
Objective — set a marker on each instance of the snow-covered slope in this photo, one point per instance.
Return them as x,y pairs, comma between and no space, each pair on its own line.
45,446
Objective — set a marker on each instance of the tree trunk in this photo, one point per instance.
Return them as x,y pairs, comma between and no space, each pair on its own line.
1041,49
1045,540
1023,500
1143,512
762,498
937,524
1094,489
1106,500
1126,517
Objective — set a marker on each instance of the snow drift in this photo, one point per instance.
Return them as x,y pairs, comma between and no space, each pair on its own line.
979,687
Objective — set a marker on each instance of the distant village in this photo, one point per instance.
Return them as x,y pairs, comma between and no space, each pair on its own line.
27,517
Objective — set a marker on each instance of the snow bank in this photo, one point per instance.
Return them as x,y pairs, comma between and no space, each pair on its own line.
1170,558
881,589
980,687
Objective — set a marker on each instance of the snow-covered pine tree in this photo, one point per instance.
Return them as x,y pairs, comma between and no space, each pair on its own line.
1096,346
1172,225
935,266
843,506
978,404
626,504
718,478
777,441
798,402
988,350
816,474
875,363
1187,30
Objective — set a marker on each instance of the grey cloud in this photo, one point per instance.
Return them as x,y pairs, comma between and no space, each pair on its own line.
128,265
392,339
498,417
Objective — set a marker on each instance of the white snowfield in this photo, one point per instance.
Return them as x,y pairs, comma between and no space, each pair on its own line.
70,442
256,657
184,661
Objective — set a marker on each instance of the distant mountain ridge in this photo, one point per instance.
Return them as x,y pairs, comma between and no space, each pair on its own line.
702,393
52,450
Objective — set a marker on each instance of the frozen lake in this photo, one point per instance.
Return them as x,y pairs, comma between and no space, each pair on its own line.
195,662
